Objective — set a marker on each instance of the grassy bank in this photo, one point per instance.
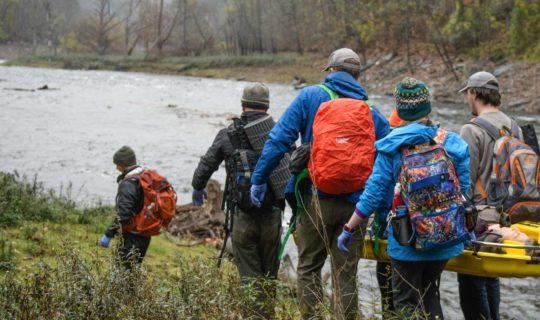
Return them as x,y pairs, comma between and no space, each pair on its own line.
51,267
283,67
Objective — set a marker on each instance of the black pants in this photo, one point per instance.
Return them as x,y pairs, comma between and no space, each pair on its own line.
132,250
416,288
479,297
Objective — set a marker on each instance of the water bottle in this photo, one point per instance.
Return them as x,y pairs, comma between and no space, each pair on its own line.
401,226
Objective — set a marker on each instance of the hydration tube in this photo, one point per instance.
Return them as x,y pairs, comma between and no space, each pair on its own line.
304,174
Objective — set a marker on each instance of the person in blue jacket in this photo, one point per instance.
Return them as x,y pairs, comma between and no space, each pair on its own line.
415,273
320,222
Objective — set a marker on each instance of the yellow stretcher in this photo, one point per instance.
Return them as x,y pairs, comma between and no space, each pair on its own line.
515,263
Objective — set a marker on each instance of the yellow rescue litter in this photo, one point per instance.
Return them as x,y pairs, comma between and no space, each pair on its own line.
516,262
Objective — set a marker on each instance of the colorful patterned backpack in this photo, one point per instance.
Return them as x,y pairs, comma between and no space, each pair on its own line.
431,192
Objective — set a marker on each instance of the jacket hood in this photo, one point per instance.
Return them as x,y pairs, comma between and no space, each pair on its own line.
412,134
131,172
345,85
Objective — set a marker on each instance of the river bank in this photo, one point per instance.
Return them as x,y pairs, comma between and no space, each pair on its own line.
520,81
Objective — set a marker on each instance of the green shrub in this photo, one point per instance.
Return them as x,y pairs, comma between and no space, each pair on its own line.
7,257
22,200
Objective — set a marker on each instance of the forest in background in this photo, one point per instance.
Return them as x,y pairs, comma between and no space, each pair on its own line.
479,29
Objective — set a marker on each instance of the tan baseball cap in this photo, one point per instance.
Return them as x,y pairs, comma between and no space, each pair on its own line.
482,79
338,57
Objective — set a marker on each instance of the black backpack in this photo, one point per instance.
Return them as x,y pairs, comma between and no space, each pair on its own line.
241,164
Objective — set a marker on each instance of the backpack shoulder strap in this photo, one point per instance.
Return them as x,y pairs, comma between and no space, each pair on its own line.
515,129
333,95
440,136
491,130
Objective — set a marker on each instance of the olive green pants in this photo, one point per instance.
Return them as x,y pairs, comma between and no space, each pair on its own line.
318,227
256,241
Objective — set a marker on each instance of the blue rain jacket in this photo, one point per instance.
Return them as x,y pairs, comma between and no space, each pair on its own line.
385,175
298,119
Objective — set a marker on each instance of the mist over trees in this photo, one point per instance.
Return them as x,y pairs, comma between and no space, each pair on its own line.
155,28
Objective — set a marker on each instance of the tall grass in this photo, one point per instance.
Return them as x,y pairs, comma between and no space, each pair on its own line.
78,289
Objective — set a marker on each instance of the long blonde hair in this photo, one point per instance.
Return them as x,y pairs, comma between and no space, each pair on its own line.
403,123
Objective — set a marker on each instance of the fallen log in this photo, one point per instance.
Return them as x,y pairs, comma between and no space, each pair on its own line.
205,223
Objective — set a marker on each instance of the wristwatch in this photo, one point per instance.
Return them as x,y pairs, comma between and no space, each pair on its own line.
346,228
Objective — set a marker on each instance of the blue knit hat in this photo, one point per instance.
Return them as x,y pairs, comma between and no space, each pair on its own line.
412,99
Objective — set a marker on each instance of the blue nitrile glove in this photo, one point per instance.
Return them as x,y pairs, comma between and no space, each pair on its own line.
104,241
198,197
257,194
344,240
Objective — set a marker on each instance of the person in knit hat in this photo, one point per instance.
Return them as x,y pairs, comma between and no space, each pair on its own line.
129,202
256,231
412,99
415,272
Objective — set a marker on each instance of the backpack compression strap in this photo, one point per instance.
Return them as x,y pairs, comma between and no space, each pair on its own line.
333,95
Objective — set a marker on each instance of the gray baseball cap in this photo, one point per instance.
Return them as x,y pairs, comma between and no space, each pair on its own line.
256,95
338,57
482,79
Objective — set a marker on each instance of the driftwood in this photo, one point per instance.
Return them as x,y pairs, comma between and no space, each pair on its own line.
201,224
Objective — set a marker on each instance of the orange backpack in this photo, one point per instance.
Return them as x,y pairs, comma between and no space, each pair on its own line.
159,205
343,149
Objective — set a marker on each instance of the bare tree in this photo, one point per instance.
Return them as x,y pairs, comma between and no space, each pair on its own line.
96,29
131,27
164,26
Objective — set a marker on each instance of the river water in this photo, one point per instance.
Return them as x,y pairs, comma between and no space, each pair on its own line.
66,135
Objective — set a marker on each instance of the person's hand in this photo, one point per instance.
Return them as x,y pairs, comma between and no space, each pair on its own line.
198,197
257,194
104,241
344,240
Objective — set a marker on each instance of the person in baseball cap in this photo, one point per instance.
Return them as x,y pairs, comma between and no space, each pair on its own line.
480,297
343,71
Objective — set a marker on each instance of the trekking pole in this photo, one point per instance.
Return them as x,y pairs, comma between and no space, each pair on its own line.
228,219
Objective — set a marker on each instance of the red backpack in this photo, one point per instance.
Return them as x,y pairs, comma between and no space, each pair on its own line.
343,149
159,205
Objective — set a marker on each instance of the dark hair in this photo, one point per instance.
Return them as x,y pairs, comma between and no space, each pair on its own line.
354,72
487,96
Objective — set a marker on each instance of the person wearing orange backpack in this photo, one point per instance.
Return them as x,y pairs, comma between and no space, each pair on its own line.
324,212
432,167
129,202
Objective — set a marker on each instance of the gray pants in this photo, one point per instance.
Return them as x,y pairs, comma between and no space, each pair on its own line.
256,241
318,229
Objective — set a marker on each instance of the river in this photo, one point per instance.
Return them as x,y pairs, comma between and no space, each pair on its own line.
66,135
